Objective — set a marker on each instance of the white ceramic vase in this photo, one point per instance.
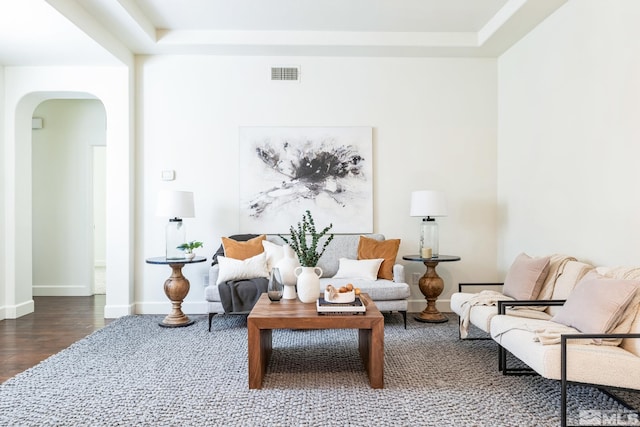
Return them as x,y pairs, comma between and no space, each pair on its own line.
287,265
308,283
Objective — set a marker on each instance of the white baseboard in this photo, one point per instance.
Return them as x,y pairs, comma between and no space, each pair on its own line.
115,311
164,307
16,311
61,291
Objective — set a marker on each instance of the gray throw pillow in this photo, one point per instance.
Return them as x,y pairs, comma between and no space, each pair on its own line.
525,277
597,305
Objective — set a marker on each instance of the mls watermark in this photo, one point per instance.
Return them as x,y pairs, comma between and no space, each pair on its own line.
608,418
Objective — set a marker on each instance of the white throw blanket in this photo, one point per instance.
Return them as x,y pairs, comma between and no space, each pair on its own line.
545,335
485,297
551,334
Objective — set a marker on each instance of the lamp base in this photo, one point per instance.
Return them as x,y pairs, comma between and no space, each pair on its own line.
428,238
175,236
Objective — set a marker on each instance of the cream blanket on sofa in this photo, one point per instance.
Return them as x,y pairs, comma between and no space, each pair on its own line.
485,297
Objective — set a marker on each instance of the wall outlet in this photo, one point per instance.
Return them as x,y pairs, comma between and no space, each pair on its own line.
415,278
205,280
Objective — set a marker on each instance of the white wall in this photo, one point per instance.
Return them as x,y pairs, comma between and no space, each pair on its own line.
99,206
569,126
62,158
435,127
25,88
3,288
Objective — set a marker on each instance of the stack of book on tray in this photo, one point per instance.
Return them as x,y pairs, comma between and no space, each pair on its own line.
355,307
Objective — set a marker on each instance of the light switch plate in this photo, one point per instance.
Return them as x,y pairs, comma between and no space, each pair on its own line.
168,175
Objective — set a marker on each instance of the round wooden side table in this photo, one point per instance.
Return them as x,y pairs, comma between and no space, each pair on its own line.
431,286
176,287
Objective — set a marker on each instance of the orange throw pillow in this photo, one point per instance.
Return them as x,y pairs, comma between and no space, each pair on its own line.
243,250
386,249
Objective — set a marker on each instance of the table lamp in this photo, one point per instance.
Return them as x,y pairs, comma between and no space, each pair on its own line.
428,204
175,205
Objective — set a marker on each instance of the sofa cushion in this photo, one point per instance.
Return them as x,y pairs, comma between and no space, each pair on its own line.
525,277
235,269
273,252
378,290
633,344
237,237
387,249
342,246
597,304
557,264
358,269
242,250
627,273
572,273
614,363
630,273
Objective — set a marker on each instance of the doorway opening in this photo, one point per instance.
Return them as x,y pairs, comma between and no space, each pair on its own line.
68,198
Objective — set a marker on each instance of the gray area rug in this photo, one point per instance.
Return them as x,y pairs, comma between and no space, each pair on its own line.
134,372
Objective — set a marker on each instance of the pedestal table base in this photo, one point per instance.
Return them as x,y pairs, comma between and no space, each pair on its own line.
431,285
176,288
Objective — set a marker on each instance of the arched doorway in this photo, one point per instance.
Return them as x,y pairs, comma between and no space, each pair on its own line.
112,87
68,136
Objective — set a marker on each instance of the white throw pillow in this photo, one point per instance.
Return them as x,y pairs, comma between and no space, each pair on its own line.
235,269
359,269
274,253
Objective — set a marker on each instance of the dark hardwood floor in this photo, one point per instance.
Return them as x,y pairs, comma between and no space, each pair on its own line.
56,323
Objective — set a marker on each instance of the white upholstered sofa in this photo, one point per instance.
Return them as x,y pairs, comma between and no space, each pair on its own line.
582,327
388,295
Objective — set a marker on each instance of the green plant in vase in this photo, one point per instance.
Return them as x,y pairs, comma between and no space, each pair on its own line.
189,247
307,251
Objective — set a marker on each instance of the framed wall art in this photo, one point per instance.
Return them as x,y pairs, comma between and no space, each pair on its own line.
285,171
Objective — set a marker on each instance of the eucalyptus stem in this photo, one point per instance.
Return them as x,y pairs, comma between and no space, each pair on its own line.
308,253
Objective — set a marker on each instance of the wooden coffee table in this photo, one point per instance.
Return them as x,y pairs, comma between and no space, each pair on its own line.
293,314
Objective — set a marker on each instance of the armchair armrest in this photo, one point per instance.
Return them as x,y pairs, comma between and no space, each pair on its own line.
565,337
398,273
461,285
502,305
214,271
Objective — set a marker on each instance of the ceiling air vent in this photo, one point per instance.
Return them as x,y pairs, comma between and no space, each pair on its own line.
291,74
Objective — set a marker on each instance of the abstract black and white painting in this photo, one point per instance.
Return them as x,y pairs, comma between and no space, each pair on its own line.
286,170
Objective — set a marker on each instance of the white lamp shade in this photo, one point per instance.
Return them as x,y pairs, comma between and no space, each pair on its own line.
175,204
428,203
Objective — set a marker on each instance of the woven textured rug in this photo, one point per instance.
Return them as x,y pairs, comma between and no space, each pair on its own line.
133,372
